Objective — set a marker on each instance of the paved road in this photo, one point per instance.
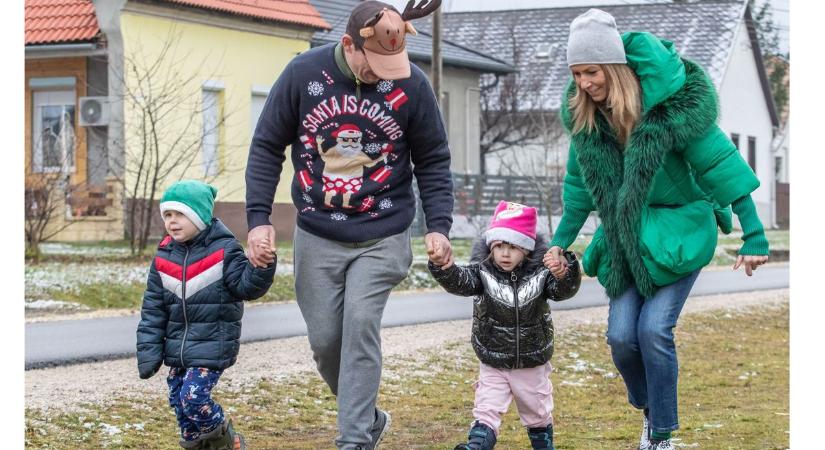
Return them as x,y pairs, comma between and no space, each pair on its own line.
75,341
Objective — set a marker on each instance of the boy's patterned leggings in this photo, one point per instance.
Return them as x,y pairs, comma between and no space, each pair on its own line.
190,395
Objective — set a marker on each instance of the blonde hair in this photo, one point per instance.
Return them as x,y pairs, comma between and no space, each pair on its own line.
624,103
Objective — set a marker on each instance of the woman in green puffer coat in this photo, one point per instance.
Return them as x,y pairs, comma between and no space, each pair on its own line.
647,155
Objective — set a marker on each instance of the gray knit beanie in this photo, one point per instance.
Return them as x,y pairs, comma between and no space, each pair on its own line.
594,39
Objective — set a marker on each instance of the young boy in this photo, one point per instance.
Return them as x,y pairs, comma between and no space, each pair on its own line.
192,309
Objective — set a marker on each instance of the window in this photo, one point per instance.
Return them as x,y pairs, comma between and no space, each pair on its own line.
777,167
53,131
257,107
211,130
752,153
735,138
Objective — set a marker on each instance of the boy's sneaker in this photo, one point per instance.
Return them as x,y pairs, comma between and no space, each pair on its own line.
644,442
224,438
481,437
379,427
661,445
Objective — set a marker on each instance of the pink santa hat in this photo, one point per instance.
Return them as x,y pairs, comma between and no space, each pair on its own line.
513,223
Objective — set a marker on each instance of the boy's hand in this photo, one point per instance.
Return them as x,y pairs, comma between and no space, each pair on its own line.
266,251
260,238
554,261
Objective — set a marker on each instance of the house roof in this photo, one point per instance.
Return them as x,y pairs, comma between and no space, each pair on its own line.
299,12
74,21
702,31
419,48
60,21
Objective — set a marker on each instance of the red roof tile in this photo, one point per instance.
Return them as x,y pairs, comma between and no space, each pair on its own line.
293,11
59,21
64,21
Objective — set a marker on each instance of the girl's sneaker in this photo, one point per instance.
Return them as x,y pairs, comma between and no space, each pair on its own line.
481,437
541,438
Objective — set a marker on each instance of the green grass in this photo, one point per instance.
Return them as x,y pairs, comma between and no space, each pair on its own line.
119,295
733,395
103,295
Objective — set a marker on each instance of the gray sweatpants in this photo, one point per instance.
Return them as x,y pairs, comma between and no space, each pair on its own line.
342,291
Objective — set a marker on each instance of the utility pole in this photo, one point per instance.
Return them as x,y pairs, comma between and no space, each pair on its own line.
436,70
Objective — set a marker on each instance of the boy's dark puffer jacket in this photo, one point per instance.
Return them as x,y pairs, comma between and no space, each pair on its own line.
511,331
192,308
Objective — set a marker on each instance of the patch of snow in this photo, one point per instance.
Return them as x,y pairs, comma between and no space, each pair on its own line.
41,278
579,366
54,304
136,426
111,430
54,248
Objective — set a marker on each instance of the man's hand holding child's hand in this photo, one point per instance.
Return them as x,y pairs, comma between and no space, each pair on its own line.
266,251
554,261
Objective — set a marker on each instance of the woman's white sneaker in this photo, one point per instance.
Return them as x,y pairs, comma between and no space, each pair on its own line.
644,441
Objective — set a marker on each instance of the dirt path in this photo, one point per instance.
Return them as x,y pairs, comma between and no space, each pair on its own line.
65,388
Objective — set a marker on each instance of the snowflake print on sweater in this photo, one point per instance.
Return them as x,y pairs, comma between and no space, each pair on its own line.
384,86
315,88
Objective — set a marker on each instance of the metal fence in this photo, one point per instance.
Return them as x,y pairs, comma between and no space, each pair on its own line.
478,195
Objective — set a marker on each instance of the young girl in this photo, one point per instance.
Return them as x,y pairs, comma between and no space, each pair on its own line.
512,328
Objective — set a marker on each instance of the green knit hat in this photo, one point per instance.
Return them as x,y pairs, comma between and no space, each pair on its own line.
194,199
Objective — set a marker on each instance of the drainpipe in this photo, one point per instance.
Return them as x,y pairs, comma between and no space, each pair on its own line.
467,127
108,18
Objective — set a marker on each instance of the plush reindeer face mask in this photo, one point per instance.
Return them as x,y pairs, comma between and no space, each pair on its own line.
383,30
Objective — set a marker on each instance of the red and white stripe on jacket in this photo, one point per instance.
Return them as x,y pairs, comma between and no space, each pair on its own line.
199,274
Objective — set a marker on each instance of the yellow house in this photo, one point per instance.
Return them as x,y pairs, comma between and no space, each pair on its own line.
179,86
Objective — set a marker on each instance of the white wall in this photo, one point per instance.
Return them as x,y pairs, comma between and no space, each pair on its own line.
536,159
744,111
462,108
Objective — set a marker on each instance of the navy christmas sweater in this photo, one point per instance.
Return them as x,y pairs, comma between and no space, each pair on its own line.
355,149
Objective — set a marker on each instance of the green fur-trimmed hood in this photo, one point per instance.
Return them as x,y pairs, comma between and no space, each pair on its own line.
619,180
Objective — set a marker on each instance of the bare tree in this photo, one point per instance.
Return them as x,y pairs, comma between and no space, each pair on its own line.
540,162
165,131
506,104
48,183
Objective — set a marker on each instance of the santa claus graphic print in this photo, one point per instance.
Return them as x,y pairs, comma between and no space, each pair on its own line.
344,164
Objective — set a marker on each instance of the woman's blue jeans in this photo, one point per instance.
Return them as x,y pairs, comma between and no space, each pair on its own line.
640,335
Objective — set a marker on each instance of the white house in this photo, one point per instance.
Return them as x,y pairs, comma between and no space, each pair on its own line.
717,34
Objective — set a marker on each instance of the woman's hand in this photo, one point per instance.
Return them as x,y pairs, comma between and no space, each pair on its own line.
751,262
554,261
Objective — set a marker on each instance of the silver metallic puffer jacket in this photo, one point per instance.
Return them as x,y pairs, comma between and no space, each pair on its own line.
512,326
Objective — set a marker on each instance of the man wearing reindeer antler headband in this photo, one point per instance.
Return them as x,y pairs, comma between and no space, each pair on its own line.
361,120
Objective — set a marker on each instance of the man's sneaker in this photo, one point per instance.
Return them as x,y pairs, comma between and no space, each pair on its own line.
481,437
379,427
661,445
644,442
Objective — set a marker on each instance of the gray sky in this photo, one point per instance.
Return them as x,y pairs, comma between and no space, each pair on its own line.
780,7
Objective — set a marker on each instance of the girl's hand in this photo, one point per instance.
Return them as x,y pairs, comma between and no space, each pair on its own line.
554,261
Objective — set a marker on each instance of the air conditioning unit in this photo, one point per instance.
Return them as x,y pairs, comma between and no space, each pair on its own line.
94,111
